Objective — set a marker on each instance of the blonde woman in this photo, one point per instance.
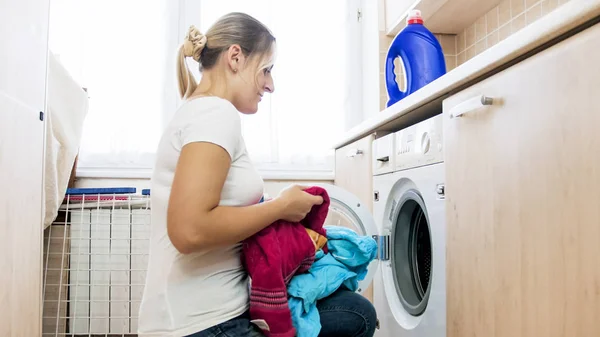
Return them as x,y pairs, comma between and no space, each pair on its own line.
206,192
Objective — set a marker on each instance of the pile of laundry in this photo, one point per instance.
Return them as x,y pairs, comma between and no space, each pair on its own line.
343,266
293,265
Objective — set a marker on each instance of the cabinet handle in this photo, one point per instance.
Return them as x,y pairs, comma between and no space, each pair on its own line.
354,152
384,159
470,105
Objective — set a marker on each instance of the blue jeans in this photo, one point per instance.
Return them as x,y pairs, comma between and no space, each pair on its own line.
343,314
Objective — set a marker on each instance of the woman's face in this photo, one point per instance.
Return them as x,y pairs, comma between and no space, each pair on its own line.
251,83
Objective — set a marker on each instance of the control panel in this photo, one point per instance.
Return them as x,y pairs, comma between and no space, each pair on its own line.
420,144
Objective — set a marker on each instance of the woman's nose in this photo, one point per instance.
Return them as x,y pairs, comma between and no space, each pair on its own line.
269,86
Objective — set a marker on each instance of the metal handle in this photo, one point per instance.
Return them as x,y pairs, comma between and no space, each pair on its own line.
354,152
470,105
384,159
383,247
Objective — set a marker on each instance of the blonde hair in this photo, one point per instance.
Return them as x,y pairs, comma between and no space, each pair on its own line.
253,37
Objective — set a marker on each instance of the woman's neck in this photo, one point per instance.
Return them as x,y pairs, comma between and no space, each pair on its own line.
211,84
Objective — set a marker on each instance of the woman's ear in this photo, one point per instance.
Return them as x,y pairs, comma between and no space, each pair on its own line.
235,57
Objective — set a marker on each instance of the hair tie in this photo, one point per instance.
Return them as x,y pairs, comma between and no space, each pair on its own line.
194,43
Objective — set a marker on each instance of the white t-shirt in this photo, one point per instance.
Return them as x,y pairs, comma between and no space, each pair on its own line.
185,294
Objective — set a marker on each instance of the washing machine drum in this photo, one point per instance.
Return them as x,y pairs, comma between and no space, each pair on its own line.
411,252
340,215
346,210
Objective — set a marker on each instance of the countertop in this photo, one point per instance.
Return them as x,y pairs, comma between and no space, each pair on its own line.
427,101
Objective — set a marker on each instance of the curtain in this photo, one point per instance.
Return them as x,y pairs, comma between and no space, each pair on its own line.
124,53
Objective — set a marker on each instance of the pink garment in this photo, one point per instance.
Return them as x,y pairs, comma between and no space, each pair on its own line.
272,257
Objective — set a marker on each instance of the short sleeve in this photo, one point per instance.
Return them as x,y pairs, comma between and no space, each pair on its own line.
218,123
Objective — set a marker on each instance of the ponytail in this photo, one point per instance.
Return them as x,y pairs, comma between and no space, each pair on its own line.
185,79
192,47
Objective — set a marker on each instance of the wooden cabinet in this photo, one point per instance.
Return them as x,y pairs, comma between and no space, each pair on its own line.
523,201
395,11
441,16
354,169
23,32
354,173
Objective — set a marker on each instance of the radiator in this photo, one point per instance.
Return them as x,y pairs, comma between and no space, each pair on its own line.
95,262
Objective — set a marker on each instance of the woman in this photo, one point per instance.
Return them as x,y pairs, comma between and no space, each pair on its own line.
205,194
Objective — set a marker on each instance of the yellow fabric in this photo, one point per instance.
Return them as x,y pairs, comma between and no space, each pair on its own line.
318,240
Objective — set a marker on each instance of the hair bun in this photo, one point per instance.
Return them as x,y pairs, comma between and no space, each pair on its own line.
194,43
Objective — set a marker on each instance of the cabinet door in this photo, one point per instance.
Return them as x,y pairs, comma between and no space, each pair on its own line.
354,173
21,162
24,40
523,201
24,36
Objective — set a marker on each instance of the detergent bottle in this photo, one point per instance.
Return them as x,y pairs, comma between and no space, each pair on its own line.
421,55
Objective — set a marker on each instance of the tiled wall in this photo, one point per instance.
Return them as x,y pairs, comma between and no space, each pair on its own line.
502,21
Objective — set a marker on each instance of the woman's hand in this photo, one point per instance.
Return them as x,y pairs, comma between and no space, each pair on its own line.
295,203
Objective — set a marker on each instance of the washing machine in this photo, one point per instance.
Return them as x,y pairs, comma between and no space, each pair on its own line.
408,222
409,212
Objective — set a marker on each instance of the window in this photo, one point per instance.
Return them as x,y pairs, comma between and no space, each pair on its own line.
119,56
316,79
127,61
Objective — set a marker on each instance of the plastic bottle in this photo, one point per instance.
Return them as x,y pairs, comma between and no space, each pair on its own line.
421,54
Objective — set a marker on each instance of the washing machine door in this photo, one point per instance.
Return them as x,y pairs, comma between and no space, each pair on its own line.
348,211
407,266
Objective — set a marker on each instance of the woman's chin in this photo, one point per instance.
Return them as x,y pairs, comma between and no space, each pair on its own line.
250,110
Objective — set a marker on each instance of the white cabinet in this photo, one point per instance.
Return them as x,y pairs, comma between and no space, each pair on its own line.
24,39
523,208
23,35
21,162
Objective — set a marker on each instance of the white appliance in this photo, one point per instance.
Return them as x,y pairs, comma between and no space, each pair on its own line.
408,183
408,222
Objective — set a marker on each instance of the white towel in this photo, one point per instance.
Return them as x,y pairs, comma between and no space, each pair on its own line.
67,106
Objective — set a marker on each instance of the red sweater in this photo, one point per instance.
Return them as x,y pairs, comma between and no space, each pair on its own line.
272,257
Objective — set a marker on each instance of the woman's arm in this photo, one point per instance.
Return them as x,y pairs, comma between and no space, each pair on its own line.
195,221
